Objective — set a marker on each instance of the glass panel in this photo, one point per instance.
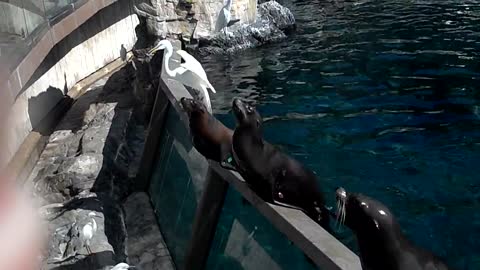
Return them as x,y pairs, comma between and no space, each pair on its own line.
57,9
176,186
79,3
35,19
246,240
13,34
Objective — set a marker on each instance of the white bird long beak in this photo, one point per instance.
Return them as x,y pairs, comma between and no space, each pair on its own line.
152,51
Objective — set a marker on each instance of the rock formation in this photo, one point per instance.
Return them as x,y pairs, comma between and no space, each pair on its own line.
273,23
89,165
194,23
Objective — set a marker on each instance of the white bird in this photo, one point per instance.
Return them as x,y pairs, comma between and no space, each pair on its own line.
88,231
190,73
122,266
224,18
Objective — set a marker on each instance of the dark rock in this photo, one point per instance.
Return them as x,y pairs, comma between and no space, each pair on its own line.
277,15
272,24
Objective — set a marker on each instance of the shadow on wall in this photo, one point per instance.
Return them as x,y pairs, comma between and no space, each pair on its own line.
42,120
123,53
95,259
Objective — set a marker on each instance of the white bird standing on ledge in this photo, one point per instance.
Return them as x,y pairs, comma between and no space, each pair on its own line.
224,18
88,231
190,73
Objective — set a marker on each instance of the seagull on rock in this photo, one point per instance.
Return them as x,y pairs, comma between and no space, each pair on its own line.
224,18
88,231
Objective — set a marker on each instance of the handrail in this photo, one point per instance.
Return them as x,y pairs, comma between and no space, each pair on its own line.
13,81
320,246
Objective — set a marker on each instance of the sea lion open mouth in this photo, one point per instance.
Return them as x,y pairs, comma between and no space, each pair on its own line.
187,104
239,110
246,114
192,106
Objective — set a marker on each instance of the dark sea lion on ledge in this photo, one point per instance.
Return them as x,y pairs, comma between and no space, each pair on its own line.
273,175
210,137
382,244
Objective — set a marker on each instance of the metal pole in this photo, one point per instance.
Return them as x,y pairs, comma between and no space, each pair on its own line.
205,222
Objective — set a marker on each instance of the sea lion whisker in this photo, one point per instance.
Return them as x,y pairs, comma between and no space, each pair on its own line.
341,209
341,215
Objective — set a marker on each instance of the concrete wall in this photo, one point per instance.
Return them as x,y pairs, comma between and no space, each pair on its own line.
100,40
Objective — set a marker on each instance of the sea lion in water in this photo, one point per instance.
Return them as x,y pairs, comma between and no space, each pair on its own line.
210,137
273,175
382,244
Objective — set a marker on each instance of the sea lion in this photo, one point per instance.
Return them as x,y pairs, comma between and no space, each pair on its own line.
272,174
210,137
381,241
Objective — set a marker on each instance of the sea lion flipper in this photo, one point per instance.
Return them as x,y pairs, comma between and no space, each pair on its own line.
227,166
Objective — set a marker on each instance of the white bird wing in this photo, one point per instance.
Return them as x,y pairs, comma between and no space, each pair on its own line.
191,64
227,15
221,20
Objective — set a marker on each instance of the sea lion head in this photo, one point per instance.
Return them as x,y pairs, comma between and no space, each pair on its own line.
363,214
193,107
246,114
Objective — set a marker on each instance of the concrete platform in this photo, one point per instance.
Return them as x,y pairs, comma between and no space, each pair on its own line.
89,165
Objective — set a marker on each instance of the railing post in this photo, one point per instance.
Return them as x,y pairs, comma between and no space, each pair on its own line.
205,222
155,130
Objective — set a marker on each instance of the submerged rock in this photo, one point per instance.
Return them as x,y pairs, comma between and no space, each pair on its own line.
273,22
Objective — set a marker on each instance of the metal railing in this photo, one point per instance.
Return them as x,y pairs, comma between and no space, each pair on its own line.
24,22
29,29
227,213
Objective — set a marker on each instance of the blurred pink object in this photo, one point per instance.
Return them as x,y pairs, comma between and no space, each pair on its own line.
21,231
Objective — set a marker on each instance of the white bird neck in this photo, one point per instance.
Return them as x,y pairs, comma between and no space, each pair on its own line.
94,224
229,4
166,60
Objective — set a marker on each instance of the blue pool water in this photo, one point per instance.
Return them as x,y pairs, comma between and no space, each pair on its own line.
380,97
